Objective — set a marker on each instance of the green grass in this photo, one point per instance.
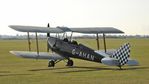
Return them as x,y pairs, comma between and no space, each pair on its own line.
14,70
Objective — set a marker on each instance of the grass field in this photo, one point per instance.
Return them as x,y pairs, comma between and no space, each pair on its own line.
14,70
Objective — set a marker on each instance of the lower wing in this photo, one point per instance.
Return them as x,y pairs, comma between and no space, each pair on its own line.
34,55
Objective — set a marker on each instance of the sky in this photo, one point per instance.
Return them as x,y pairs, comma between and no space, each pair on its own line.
130,16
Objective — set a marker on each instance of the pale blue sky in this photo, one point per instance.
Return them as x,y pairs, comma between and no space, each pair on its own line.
130,16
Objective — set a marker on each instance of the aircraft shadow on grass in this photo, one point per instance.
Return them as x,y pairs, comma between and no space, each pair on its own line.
4,71
3,75
9,73
80,69
87,69
51,68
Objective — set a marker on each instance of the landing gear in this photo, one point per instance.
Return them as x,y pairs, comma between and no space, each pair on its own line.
69,63
120,67
51,63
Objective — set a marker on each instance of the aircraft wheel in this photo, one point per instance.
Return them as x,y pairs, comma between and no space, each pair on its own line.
51,64
69,63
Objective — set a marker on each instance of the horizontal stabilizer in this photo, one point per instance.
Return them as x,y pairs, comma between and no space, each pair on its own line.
34,55
132,62
115,62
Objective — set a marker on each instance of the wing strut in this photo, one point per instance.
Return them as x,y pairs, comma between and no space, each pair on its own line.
29,42
104,41
37,43
71,36
63,35
97,38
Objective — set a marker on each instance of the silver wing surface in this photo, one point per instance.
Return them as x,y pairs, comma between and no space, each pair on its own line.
35,29
34,55
88,30
96,30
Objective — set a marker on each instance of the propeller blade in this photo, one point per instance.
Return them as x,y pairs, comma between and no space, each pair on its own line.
48,35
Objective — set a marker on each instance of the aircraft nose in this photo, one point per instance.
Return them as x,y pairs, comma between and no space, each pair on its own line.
51,41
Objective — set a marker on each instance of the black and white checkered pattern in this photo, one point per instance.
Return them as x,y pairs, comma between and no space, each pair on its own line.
122,54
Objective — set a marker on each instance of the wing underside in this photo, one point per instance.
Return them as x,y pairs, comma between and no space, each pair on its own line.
35,29
88,30
95,30
34,55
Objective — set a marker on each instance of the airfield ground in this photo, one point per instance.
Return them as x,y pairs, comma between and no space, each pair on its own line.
14,70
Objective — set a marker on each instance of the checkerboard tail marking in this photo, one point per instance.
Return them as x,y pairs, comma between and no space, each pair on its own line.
122,54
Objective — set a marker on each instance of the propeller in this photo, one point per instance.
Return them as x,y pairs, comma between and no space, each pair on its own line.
48,35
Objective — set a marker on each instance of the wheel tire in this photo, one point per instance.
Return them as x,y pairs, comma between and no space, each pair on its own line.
70,63
51,64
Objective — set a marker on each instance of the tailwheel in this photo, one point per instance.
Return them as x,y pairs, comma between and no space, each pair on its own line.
120,67
51,63
70,63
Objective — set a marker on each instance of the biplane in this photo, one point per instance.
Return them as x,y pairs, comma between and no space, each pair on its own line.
65,48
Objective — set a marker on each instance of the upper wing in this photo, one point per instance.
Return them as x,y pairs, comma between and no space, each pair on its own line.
35,29
34,55
89,30
96,30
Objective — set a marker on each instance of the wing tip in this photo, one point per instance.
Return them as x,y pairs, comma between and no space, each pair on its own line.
13,26
12,52
10,26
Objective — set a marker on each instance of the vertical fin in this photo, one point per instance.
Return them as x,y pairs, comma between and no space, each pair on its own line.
122,54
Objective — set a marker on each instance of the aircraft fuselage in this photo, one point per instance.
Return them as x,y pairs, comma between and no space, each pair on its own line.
69,49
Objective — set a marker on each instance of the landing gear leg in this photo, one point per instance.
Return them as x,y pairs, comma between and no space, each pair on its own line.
51,64
69,63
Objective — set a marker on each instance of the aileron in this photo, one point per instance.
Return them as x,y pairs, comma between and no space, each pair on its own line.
34,55
35,29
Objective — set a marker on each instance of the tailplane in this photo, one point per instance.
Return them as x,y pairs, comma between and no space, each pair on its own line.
120,57
122,54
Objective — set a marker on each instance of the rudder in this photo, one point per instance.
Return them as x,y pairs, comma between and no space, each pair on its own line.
122,54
